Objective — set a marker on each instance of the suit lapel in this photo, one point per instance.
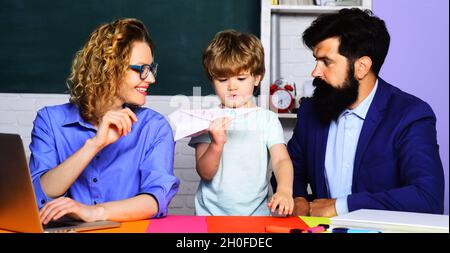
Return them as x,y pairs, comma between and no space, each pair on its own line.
372,121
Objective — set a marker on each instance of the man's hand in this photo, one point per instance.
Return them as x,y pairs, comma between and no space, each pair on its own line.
323,208
301,207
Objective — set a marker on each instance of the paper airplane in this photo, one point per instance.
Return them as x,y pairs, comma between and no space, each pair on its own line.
188,123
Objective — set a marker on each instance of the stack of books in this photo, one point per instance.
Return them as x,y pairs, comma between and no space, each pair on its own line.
318,2
293,2
392,221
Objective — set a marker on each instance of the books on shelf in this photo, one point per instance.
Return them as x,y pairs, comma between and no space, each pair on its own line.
392,221
296,2
318,2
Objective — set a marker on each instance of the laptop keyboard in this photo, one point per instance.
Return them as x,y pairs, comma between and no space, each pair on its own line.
57,224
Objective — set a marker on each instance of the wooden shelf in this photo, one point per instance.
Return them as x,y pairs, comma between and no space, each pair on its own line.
271,38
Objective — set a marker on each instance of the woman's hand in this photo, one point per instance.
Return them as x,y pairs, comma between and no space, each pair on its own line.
61,206
283,201
113,125
218,130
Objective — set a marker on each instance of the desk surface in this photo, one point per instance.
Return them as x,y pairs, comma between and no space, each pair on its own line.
211,224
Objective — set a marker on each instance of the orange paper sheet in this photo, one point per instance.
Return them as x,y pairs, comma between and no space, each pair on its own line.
139,226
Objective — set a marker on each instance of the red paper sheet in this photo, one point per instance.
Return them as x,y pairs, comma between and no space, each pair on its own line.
250,224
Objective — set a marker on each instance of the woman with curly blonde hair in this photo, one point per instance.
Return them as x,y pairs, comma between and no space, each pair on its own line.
103,156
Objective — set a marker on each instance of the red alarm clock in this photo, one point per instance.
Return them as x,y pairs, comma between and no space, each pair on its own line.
281,99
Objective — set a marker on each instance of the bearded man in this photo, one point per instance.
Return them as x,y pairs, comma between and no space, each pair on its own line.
360,142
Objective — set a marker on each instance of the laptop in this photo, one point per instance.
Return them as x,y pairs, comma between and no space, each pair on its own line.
18,207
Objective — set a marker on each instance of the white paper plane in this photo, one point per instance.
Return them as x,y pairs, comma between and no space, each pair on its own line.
188,123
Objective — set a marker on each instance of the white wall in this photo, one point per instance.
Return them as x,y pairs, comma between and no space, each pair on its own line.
296,60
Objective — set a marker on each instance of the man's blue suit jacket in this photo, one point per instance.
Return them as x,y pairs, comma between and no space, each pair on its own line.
397,164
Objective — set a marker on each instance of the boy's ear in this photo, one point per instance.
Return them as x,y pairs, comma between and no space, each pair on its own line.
257,80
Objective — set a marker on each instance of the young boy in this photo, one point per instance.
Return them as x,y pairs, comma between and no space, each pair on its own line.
232,158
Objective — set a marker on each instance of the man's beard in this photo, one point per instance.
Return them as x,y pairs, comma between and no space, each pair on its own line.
330,102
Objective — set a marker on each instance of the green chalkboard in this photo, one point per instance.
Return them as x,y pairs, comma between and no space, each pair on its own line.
40,38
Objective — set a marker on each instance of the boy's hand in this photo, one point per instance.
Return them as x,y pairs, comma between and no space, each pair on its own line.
283,201
218,130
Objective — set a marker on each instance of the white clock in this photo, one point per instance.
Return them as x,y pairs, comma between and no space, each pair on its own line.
281,100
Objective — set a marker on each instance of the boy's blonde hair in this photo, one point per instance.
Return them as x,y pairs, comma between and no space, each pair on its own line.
99,68
231,52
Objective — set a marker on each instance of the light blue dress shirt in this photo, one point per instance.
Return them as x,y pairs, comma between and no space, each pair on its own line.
342,141
139,163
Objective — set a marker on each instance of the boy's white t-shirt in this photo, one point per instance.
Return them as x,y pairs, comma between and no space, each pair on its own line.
240,186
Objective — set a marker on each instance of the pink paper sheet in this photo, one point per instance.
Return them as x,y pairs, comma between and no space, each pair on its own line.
178,224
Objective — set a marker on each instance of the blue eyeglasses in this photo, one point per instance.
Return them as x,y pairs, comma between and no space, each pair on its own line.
145,69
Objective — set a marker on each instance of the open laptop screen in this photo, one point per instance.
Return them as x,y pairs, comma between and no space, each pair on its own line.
18,208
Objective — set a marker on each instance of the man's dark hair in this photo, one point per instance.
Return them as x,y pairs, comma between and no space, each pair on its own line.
359,31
